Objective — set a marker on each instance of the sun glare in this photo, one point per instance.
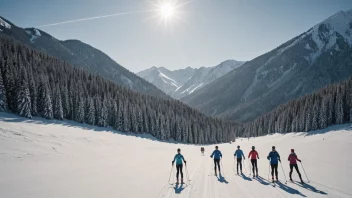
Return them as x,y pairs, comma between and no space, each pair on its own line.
167,10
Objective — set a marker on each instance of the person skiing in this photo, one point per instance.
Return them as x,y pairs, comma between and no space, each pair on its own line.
217,157
179,165
238,155
293,163
274,158
202,150
253,155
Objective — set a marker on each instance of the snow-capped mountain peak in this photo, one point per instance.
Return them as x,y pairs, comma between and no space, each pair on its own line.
4,24
182,82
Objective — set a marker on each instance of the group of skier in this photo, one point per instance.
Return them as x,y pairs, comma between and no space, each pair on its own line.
253,155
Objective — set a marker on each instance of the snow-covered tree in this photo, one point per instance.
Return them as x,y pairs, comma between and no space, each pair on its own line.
90,112
3,102
58,110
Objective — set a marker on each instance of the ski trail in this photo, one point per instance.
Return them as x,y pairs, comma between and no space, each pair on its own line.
197,182
327,189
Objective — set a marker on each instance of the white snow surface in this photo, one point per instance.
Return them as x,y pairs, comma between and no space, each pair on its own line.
4,23
41,158
34,35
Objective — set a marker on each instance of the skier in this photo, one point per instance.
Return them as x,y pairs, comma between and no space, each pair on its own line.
274,158
179,158
202,150
293,163
253,155
217,157
238,155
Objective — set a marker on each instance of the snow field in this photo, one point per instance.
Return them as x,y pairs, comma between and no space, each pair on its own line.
41,158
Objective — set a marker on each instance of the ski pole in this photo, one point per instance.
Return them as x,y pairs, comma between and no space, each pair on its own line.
283,172
234,166
269,173
222,168
250,167
172,167
244,165
187,174
305,173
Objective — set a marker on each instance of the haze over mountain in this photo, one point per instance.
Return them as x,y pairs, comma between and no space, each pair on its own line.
81,55
320,56
182,82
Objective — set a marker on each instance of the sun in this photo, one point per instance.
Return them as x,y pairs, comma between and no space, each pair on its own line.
167,10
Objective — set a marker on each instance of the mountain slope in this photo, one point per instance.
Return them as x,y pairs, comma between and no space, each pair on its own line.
33,83
320,56
81,55
42,158
182,82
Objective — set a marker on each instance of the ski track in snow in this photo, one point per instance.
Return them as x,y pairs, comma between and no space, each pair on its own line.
41,158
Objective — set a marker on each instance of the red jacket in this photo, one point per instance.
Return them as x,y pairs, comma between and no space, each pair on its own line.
293,158
253,154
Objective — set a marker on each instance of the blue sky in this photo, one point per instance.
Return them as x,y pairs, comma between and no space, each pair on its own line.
207,33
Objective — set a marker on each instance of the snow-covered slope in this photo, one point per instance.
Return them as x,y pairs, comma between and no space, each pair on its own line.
310,61
41,158
205,75
4,24
183,82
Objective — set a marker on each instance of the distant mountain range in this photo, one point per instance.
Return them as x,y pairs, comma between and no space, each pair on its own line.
312,60
182,82
81,55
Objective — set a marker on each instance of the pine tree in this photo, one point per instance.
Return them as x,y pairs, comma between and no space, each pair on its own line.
323,115
33,92
339,112
24,106
90,112
315,116
58,110
45,106
3,102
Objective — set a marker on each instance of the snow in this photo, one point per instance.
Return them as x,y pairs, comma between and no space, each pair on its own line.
196,88
36,34
41,158
4,24
168,80
307,46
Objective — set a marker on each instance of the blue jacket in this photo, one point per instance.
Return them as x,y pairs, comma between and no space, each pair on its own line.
217,154
274,157
179,159
239,154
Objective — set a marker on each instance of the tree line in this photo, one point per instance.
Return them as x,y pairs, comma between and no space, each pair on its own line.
325,107
33,83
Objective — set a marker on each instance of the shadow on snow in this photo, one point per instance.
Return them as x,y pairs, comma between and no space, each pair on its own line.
179,188
289,189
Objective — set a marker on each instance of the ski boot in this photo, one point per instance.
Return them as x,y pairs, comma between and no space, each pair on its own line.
291,180
182,181
302,182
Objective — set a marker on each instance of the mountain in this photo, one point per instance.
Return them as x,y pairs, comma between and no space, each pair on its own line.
33,83
320,56
182,82
80,55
